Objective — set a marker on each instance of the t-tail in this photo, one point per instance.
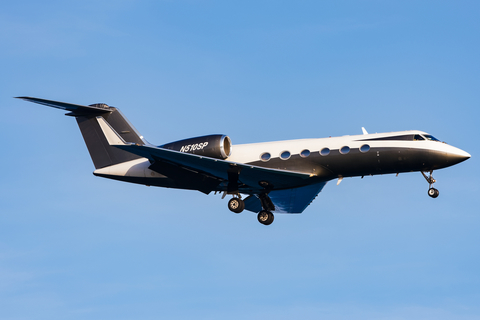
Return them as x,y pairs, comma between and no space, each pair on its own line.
102,153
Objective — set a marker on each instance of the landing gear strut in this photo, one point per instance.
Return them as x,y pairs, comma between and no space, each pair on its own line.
432,192
265,216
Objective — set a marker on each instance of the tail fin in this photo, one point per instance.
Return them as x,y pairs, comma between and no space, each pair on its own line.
102,154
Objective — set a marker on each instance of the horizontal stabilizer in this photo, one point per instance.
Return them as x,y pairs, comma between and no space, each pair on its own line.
102,134
74,108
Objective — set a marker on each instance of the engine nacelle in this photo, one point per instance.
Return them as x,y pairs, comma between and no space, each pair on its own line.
214,146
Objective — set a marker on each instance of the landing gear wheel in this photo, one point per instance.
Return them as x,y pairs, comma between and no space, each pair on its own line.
432,192
236,205
265,217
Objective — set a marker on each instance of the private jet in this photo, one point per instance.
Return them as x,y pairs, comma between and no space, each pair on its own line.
264,178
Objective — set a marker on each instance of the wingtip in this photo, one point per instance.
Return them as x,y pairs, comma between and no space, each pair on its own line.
25,98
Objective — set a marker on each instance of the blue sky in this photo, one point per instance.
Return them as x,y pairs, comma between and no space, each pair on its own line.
73,246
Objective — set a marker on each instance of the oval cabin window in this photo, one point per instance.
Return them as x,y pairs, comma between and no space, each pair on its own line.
365,148
265,156
285,155
305,153
325,152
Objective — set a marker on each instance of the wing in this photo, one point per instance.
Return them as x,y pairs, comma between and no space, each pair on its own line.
252,179
290,192
294,200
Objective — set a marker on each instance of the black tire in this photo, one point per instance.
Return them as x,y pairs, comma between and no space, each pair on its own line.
270,218
265,217
236,205
432,192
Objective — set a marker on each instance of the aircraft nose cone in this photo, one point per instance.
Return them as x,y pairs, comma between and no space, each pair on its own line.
457,156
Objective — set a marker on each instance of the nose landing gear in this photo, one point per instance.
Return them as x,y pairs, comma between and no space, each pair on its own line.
432,192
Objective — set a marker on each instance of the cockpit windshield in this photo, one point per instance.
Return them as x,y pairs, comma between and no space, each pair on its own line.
431,138
418,137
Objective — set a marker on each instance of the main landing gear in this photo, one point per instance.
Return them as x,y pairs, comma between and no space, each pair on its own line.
236,205
265,217
432,192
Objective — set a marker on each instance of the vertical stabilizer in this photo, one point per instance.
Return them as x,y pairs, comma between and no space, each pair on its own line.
104,155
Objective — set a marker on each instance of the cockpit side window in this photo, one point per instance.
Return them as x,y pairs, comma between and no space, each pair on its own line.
406,137
431,138
418,137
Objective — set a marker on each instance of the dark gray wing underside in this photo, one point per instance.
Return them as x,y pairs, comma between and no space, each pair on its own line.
294,200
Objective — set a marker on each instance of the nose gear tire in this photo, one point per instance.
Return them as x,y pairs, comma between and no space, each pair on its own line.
432,192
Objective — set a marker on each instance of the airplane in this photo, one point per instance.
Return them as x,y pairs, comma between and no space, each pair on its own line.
275,177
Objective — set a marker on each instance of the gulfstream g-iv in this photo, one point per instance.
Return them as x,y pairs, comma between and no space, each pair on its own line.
265,178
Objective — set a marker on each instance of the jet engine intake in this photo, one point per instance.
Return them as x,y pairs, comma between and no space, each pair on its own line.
216,146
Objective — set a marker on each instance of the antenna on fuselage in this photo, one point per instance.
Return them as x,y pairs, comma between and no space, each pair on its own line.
364,131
